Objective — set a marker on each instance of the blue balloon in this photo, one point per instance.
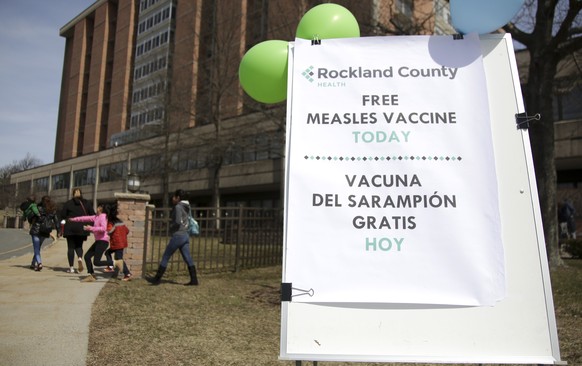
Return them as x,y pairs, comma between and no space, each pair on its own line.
482,16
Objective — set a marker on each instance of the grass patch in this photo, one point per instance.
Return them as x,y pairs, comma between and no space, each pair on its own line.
234,319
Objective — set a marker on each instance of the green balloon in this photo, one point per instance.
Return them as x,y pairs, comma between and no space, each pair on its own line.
263,71
327,21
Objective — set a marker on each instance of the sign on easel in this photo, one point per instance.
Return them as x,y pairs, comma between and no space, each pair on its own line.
402,210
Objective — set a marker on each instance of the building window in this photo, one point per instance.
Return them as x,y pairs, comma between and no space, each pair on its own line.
567,105
41,184
84,177
234,155
61,181
112,172
24,188
262,147
145,165
190,159
255,148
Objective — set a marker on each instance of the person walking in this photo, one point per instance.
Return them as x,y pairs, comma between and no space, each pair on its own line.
73,231
180,239
117,243
99,229
30,213
41,228
567,219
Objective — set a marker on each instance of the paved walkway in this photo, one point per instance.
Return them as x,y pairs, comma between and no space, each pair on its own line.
44,316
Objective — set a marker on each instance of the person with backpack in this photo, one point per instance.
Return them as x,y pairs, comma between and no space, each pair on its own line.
117,243
73,231
180,239
43,223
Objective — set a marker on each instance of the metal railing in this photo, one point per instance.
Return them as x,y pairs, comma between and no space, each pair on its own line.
231,239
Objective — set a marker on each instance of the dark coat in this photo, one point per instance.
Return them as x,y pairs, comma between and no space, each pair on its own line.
73,208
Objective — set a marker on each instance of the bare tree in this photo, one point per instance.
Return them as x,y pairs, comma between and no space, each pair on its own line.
551,31
213,96
218,92
28,162
7,190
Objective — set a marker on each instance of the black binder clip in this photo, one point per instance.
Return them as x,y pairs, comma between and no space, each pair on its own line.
315,40
287,291
522,120
457,36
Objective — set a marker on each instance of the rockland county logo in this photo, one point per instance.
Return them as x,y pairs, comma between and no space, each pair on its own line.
334,78
330,78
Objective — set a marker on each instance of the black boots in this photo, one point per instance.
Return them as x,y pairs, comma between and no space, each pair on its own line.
161,270
158,277
193,278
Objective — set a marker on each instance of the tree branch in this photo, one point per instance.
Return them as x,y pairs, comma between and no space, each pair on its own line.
565,30
522,37
569,47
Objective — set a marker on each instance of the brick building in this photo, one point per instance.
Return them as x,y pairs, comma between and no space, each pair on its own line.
150,87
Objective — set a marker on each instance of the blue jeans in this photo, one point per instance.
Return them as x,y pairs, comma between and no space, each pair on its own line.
178,241
36,243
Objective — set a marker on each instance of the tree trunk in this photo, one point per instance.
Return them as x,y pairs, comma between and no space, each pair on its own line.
543,149
215,182
215,203
166,173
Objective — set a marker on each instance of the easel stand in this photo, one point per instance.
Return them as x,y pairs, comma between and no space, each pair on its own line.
515,323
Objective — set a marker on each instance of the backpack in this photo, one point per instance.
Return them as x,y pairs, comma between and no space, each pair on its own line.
24,205
45,224
193,227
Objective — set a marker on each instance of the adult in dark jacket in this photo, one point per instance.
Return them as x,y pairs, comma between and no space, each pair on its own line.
46,211
76,206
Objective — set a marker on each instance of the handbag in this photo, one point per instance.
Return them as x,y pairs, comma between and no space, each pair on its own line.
193,227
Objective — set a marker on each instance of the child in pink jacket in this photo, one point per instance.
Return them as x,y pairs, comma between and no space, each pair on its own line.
99,230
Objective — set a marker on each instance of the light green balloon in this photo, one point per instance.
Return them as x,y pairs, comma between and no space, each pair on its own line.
327,21
263,71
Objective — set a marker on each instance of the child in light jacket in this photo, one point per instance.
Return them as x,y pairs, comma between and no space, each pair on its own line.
99,230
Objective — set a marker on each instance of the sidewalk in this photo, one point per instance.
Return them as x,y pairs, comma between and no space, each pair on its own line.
45,315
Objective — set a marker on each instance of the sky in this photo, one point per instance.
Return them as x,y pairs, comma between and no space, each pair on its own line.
31,66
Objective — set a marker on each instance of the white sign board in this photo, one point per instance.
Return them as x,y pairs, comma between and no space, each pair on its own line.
386,154
412,229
